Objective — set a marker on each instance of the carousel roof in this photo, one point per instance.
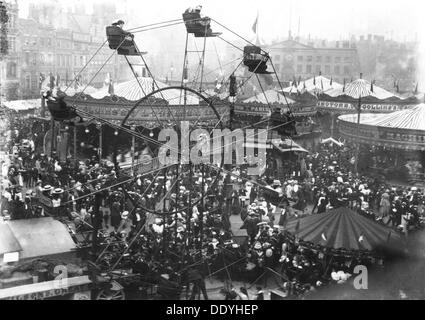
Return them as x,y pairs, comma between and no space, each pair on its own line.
269,96
313,85
408,119
131,90
342,228
362,88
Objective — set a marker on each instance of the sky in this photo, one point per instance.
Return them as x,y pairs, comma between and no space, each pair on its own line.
400,20
332,19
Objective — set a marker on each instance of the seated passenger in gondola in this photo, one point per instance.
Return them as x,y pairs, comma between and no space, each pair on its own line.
58,107
197,24
120,39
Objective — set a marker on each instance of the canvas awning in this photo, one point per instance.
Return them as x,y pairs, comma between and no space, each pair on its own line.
8,241
40,237
23,105
331,140
343,228
288,145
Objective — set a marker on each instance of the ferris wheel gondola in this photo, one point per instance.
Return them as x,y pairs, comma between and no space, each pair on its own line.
199,26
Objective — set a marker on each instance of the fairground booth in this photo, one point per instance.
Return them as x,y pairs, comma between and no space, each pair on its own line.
392,144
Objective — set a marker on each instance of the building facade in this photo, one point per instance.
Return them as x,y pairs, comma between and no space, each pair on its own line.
293,59
9,76
59,44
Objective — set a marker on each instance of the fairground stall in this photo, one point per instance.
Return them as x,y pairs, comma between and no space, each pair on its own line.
283,153
346,99
392,144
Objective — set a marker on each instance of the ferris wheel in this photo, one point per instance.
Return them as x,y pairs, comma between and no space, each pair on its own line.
180,160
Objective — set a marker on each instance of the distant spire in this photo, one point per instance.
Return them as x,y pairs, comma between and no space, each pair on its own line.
416,88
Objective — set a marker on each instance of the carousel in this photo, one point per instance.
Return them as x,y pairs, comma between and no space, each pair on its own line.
395,142
359,96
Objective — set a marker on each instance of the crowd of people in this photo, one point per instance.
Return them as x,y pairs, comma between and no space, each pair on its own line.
98,195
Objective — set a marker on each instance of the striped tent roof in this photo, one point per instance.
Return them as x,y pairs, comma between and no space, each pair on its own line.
131,90
408,119
342,228
361,88
313,85
270,96
71,91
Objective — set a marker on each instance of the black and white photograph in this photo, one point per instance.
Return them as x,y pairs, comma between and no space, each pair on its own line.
229,151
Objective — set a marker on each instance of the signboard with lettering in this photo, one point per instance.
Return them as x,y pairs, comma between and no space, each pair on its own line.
50,293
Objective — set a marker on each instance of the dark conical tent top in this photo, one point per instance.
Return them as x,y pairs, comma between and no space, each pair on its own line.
343,228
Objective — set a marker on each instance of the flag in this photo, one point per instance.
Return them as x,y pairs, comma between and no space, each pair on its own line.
255,25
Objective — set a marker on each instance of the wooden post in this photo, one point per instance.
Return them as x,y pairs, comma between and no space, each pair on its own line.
356,164
100,141
52,142
75,143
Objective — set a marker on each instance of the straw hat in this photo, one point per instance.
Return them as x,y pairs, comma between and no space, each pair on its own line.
47,188
58,191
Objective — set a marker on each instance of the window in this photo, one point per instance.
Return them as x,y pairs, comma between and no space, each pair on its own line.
308,68
318,69
299,68
309,58
11,69
12,44
337,70
347,70
27,57
328,59
300,58
319,59
34,84
337,59
327,69
34,59
27,82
